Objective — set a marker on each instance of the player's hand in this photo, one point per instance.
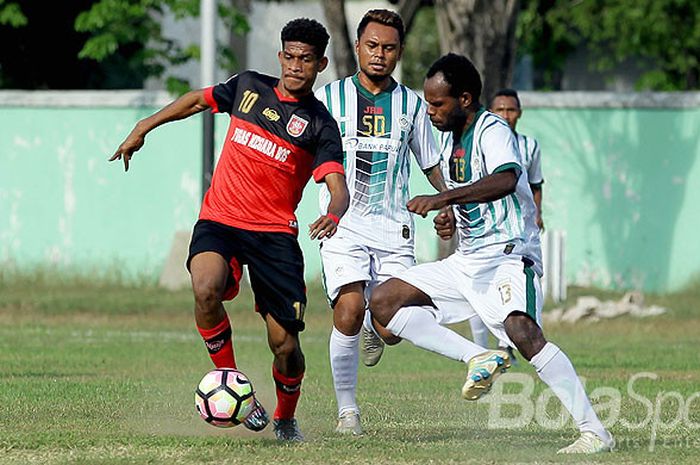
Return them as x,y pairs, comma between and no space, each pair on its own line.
444,223
322,227
422,204
133,142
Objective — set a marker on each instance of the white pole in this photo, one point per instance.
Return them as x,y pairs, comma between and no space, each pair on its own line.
207,12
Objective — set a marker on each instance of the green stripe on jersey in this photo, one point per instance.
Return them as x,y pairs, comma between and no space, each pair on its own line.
508,166
530,294
342,107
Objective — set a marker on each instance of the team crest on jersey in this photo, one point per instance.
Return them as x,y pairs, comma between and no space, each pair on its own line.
404,122
296,126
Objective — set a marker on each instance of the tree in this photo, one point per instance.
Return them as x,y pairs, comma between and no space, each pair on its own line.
337,23
116,25
662,32
484,31
11,14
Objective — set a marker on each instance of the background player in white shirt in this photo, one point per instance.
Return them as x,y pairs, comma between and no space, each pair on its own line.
506,104
495,270
380,120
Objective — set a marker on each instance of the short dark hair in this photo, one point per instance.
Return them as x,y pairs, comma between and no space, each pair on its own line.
385,17
459,72
308,31
506,93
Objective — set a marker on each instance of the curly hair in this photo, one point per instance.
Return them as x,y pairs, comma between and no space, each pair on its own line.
460,73
385,17
506,93
308,31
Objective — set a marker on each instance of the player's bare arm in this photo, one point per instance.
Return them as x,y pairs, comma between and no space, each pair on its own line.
327,225
189,104
488,189
537,197
444,221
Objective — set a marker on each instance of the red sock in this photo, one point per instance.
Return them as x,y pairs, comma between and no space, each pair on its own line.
219,345
288,392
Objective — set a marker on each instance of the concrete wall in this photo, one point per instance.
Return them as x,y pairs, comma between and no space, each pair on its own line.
622,179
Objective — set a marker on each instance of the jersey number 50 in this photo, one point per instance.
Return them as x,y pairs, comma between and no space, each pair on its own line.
375,124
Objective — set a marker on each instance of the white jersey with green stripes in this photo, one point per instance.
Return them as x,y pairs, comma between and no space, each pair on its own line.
502,227
378,132
530,158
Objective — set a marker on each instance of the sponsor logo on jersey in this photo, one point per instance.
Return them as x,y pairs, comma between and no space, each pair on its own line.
372,144
260,144
296,126
271,114
370,110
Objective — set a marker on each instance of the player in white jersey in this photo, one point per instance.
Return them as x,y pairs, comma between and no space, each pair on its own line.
380,122
495,270
506,104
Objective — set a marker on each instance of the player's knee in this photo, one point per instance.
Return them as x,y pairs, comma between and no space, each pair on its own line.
286,349
525,334
207,296
382,304
348,316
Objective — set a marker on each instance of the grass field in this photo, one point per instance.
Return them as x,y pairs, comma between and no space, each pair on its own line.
97,373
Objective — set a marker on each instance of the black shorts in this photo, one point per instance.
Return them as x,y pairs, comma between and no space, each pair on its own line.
275,266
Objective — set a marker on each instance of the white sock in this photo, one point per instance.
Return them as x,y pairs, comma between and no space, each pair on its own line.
367,323
418,325
345,356
480,333
556,370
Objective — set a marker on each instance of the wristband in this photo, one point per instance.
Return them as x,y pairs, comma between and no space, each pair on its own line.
333,218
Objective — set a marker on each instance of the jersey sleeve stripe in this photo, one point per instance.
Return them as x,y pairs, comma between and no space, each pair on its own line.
209,97
327,168
508,166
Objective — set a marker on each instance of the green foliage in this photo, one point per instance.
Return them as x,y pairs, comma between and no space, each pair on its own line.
661,32
118,24
11,14
421,50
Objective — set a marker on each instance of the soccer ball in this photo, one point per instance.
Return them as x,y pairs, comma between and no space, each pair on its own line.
224,397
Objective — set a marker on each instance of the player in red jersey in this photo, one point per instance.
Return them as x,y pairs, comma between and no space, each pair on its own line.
278,137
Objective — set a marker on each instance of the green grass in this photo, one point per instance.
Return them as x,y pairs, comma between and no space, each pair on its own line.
103,373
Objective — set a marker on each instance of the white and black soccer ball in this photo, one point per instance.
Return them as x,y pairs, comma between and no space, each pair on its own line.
224,397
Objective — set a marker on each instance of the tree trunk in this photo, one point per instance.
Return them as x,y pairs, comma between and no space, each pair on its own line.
484,31
343,52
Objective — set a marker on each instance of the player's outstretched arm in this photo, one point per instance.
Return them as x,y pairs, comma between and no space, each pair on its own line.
492,187
185,106
327,225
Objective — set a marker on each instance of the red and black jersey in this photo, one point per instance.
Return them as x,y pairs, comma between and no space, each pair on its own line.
273,146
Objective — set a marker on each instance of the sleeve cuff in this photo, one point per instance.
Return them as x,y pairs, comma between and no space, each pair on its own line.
509,166
327,168
209,97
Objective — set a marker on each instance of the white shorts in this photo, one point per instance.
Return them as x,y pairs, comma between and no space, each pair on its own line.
345,260
461,287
